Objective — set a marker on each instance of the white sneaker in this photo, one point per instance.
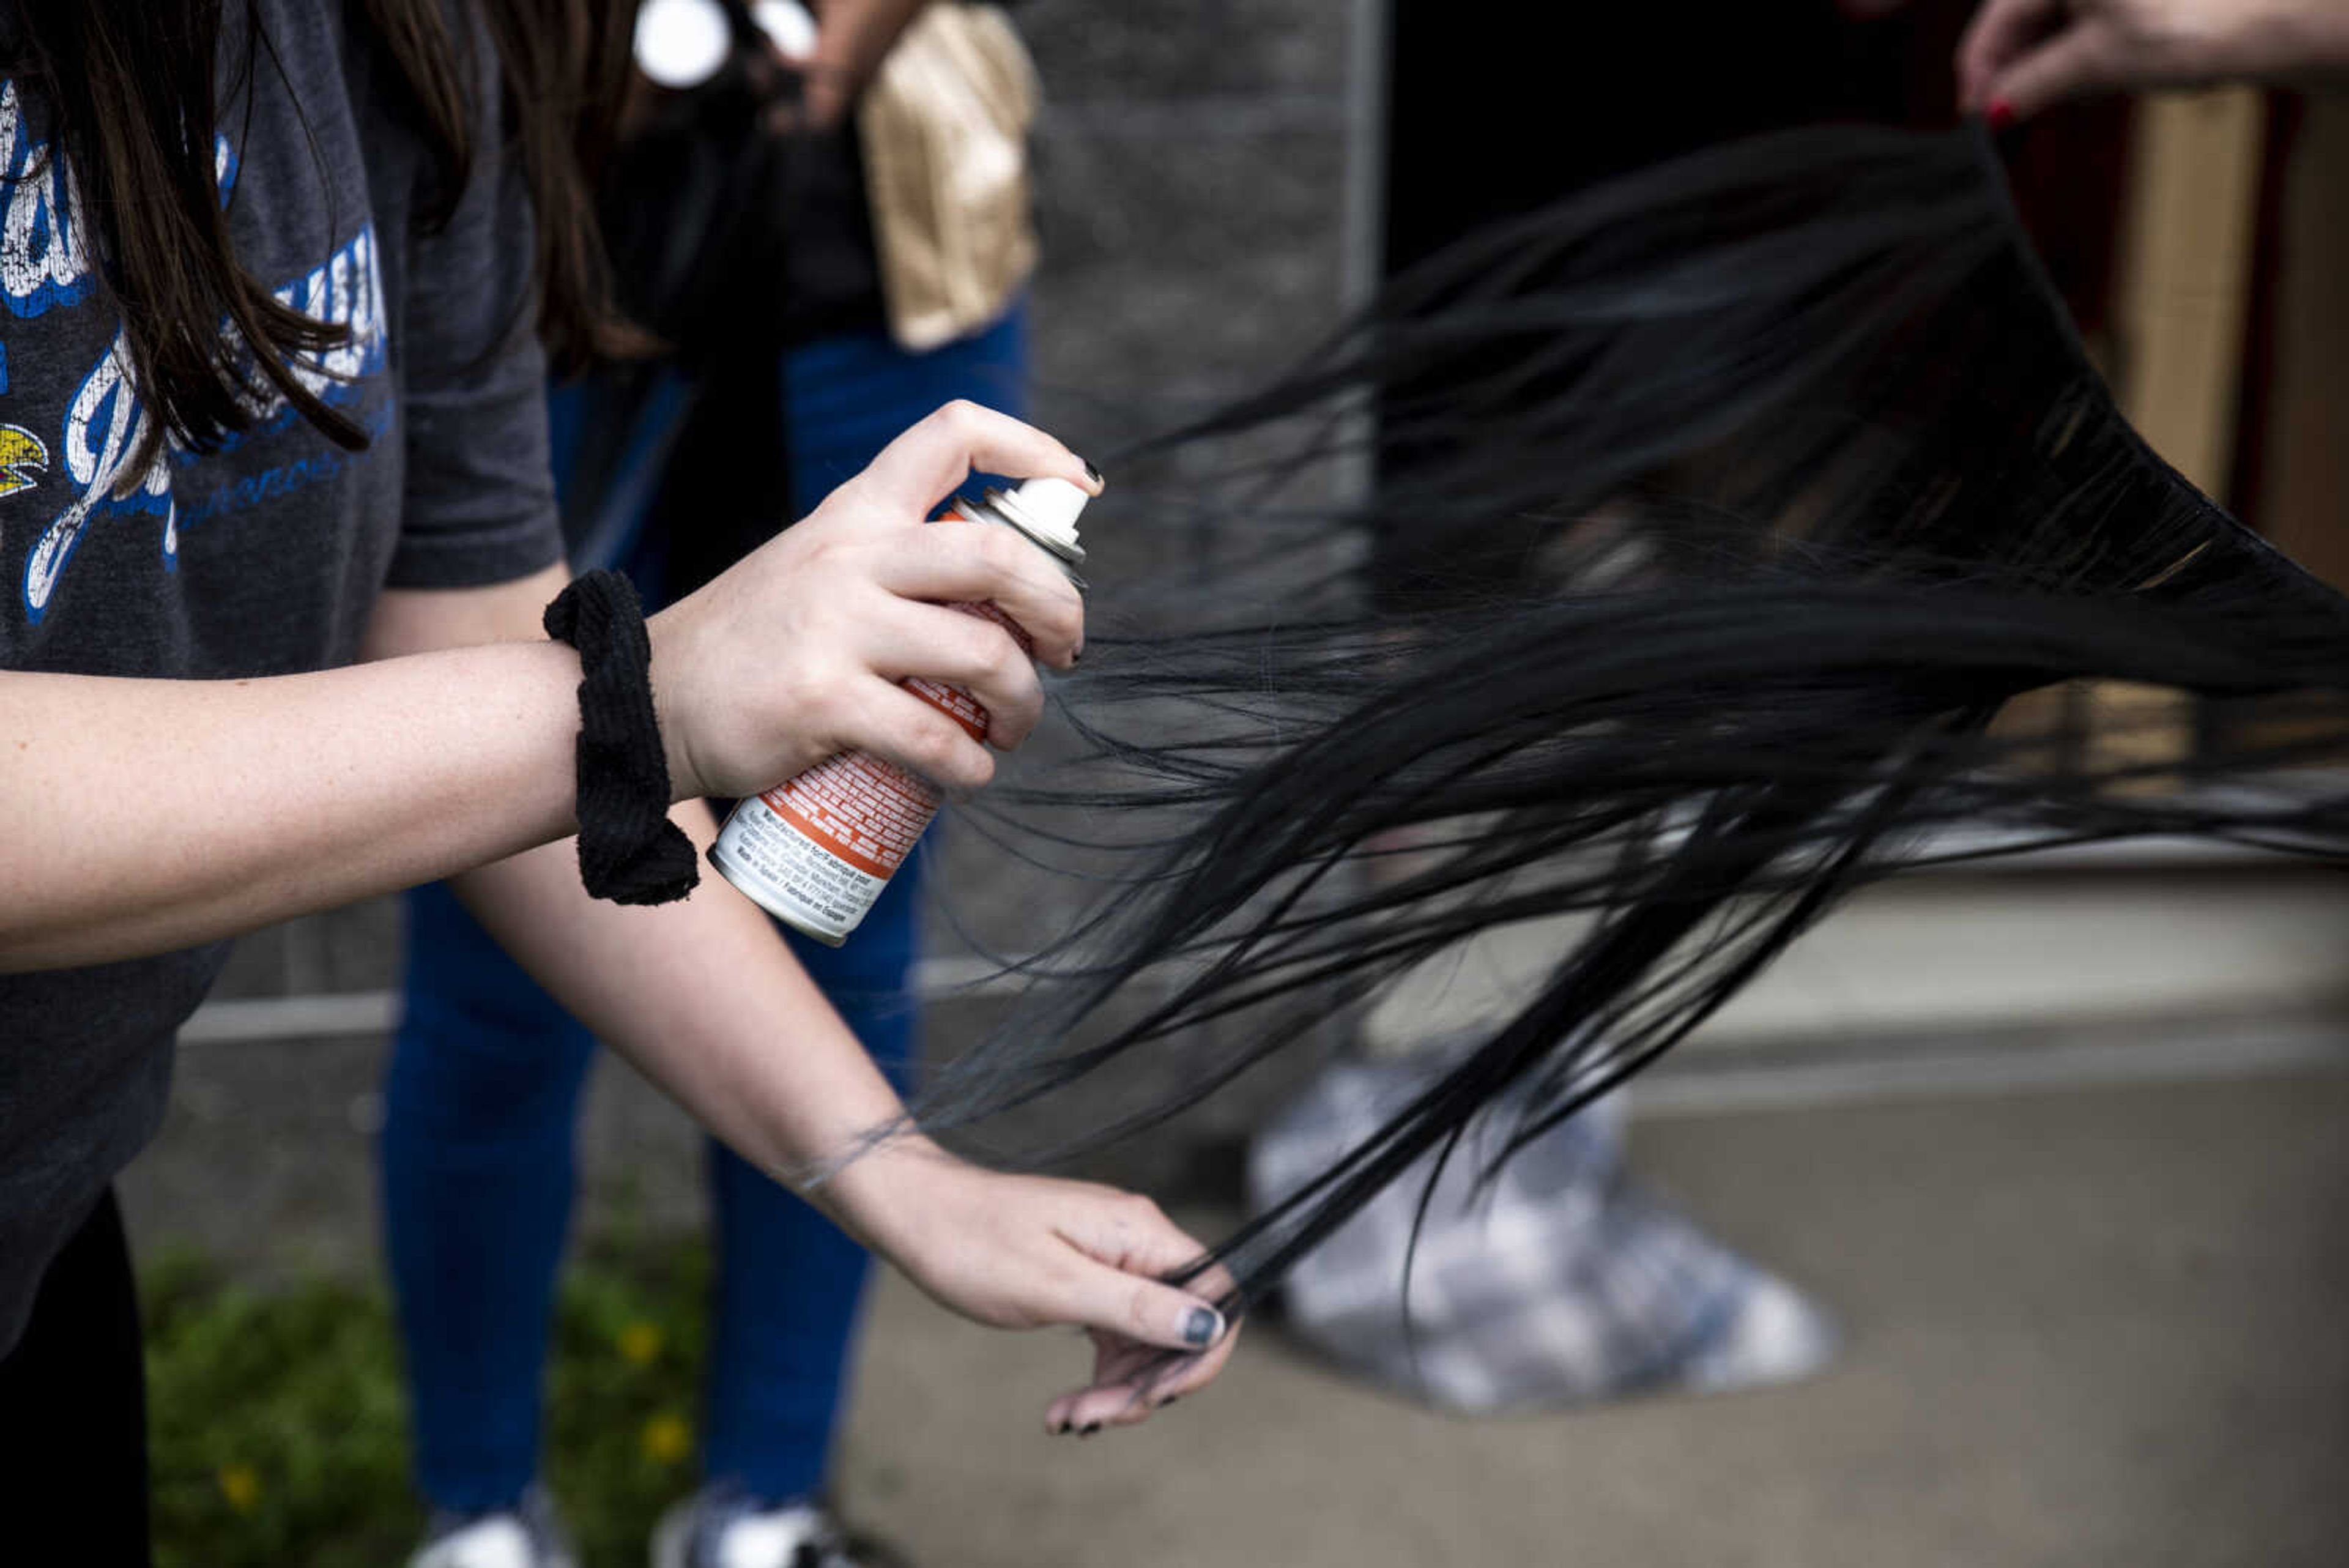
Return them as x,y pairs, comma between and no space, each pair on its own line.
529,1537
1777,1336
717,1528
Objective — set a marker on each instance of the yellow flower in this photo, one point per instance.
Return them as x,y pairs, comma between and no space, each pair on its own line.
640,1343
242,1486
667,1438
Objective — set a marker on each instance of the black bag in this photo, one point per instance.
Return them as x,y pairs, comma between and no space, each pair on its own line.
731,242
724,232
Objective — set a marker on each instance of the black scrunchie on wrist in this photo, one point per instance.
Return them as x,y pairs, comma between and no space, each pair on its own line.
629,851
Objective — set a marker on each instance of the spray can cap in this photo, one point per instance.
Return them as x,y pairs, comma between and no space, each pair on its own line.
1046,509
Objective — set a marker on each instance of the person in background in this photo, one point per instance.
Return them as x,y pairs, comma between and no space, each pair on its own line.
1597,1289
1564,1283
2021,56
780,374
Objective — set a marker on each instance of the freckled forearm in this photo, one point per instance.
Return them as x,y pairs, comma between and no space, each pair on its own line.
139,817
704,997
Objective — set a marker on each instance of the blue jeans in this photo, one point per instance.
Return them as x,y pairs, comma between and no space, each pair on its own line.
483,1094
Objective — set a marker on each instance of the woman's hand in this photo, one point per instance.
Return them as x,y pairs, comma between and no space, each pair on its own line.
1020,1251
2019,57
797,652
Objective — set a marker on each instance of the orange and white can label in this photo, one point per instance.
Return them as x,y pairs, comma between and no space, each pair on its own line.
815,851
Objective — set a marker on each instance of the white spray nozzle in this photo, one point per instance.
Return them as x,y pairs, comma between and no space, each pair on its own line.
1048,509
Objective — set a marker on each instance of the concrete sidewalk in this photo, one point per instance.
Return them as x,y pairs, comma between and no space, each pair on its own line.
2086,1328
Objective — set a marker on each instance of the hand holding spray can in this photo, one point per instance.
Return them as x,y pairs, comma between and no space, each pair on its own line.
815,851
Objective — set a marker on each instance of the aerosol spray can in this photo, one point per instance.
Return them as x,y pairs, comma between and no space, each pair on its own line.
815,851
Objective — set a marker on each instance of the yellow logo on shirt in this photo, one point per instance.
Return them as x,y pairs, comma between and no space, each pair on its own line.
23,460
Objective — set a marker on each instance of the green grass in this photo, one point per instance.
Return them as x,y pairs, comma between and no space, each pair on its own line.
278,1423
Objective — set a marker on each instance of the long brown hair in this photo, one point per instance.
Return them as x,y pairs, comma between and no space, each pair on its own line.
135,94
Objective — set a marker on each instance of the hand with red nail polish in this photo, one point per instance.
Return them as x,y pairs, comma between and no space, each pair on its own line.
2020,57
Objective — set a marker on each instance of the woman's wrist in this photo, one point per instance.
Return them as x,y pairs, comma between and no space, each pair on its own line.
669,655
2298,38
2196,41
874,1190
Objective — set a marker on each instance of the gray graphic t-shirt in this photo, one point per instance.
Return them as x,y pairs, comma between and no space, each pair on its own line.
261,558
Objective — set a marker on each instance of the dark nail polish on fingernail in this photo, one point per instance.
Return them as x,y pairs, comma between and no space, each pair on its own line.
1094,474
2000,114
1089,1431
1203,1327
1168,1400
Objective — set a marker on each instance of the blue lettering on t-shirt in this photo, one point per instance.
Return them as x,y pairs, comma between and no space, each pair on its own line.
251,489
44,263
108,428
346,291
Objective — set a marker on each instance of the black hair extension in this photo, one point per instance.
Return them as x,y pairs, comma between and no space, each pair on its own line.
1756,485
